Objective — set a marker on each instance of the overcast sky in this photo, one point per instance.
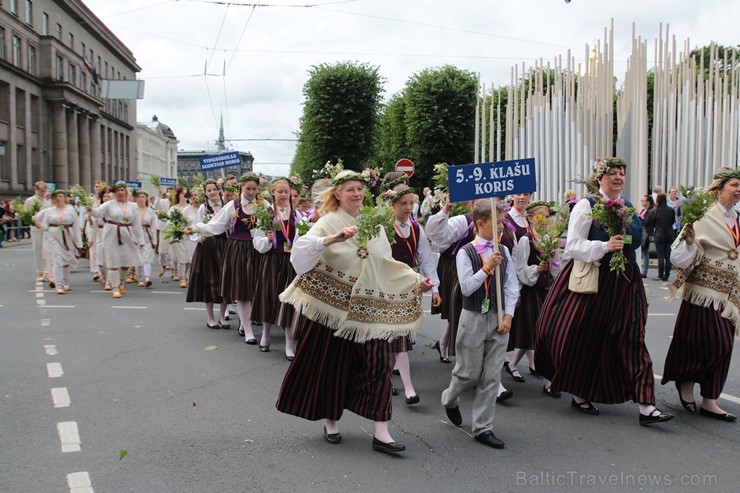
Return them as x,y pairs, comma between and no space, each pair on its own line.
266,57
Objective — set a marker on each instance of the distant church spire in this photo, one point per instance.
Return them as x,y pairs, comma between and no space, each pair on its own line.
221,142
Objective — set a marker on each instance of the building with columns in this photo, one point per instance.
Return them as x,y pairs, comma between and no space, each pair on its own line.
156,152
54,125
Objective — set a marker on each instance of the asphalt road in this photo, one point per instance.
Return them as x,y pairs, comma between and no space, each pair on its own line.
194,411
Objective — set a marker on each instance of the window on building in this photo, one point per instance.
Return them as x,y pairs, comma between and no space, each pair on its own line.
106,70
2,43
29,12
31,60
71,41
72,75
14,7
45,24
60,68
16,51
83,80
59,32
82,49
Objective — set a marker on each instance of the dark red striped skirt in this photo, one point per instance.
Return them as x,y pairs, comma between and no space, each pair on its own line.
401,345
276,274
241,271
204,283
454,320
593,345
701,349
447,272
522,335
329,375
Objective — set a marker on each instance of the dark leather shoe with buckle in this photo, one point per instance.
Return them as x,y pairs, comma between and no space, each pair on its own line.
514,374
505,396
453,414
689,406
586,407
719,416
654,417
550,393
389,448
414,399
251,342
488,438
333,438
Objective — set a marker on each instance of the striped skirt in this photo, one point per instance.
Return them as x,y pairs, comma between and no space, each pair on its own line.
447,272
276,275
522,334
701,349
401,345
330,374
593,345
204,285
241,271
454,320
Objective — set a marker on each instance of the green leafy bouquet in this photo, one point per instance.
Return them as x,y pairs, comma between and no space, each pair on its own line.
441,183
698,201
81,196
162,216
546,239
264,217
154,180
303,227
24,214
369,222
614,216
175,230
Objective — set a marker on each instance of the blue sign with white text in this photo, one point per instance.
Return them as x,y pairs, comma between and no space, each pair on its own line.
484,180
167,182
220,161
133,184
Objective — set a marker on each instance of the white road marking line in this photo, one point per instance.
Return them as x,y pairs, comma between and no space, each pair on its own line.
45,322
51,350
38,289
59,306
79,482
60,397
54,370
168,292
130,307
69,436
40,302
661,314
39,295
192,308
100,291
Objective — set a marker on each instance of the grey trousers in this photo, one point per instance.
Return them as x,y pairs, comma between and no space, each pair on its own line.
478,360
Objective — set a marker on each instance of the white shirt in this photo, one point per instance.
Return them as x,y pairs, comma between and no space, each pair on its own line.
577,245
520,219
424,258
223,219
444,231
471,281
307,249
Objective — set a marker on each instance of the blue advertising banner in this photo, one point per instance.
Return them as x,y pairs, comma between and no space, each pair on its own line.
133,184
219,161
484,180
167,182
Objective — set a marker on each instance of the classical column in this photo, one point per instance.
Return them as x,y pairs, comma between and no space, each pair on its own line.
97,160
84,134
59,146
73,153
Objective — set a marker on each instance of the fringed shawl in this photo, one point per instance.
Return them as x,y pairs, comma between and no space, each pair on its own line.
359,298
712,277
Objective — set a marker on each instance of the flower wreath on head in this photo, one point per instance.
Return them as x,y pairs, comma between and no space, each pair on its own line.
393,196
119,184
725,175
348,175
537,203
602,166
372,175
250,177
329,170
396,181
296,183
140,192
64,192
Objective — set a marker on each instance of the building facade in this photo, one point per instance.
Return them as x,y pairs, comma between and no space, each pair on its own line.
54,126
189,166
156,152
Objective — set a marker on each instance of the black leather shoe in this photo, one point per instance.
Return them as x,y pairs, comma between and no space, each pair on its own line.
333,438
505,396
396,372
453,414
550,393
517,377
532,371
655,417
264,349
488,438
389,448
251,342
721,417
290,358
588,408
443,359
214,326
225,326
394,391
240,331
689,406
414,399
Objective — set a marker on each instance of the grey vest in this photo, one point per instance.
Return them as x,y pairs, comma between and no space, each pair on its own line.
474,302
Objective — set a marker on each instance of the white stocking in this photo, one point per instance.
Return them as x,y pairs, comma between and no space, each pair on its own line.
244,310
114,276
209,313
289,351
148,270
58,276
404,368
222,313
265,340
66,274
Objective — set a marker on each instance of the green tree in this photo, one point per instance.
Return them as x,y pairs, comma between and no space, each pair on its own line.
440,119
391,144
340,116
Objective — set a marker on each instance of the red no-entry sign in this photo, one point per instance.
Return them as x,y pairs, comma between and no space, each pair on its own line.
405,166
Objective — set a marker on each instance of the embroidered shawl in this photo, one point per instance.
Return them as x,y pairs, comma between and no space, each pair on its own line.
712,277
359,298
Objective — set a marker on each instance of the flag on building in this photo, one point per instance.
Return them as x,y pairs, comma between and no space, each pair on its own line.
90,69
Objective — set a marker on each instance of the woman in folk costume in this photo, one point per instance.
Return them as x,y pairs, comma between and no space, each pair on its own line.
208,261
122,236
181,251
62,238
413,249
701,348
39,201
450,234
104,195
593,345
241,262
353,301
91,230
148,219
276,273
162,203
533,278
